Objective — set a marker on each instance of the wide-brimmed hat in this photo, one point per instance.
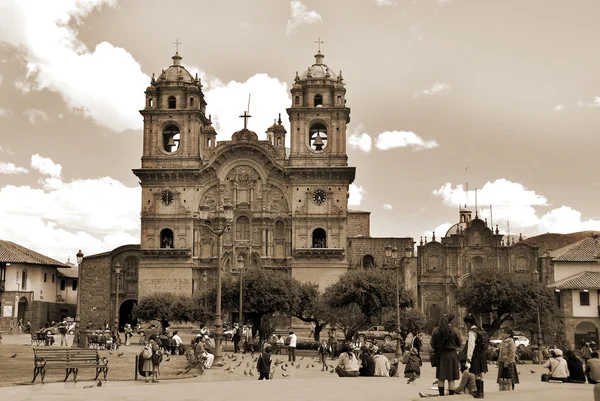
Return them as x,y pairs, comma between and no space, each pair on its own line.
558,352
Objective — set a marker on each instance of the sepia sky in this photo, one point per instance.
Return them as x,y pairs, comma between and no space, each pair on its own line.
502,94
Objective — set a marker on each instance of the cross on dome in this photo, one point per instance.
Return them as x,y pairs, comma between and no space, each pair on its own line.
319,43
177,43
245,116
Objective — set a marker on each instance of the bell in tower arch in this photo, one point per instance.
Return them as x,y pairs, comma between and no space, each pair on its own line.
318,143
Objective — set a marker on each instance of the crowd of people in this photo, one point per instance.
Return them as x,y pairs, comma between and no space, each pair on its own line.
568,367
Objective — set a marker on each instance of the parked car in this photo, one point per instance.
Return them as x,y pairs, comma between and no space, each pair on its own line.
55,330
376,333
520,341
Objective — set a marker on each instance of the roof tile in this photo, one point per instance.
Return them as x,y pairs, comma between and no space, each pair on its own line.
584,280
13,253
586,250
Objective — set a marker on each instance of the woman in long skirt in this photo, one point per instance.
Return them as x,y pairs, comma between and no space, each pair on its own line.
445,340
507,370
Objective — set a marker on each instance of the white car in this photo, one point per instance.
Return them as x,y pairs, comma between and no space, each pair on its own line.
520,341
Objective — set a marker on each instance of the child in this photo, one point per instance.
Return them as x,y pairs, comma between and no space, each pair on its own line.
413,363
323,348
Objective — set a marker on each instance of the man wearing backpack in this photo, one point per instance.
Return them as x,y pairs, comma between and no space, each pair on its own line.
476,346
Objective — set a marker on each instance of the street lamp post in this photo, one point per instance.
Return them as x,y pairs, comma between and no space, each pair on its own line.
393,254
117,273
77,312
539,326
228,212
241,271
204,280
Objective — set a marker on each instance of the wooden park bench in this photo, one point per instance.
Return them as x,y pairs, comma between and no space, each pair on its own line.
41,338
70,359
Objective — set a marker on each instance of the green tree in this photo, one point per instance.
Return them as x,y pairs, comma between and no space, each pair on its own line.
309,306
411,320
491,291
265,293
366,293
167,306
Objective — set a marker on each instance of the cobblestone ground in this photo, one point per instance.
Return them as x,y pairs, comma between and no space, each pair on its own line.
305,382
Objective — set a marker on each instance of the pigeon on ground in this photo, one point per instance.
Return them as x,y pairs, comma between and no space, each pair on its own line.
307,365
532,371
250,373
14,356
298,366
239,364
247,364
90,386
228,368
245,372
283,368
231,371
286,365
243,356
301,358
312,366
120,354
271,376
99,384
284,375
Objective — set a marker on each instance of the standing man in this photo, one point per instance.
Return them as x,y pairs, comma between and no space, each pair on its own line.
333,343
476,355
263,365
62,328
292,347
586,352
237,336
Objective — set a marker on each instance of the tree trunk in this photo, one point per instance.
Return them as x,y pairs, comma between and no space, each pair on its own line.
318,328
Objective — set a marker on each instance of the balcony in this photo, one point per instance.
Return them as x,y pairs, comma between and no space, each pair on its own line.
173,253
319,253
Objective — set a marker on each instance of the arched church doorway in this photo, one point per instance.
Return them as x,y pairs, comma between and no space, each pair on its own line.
22,308
125,313
585,331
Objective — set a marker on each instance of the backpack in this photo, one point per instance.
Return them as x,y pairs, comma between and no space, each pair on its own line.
483,340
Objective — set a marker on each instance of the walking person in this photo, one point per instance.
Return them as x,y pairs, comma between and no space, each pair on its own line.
63,329
586,352
333,343
292,347
323,354
347,365
237,336
413,364
476,353
263,365
445,340
507,368
128,334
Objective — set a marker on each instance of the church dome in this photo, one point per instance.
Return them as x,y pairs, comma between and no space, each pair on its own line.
318,69
176,72
456,229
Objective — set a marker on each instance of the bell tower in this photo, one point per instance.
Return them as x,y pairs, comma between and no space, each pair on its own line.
318,117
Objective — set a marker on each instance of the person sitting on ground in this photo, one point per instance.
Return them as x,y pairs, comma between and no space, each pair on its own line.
178,344
413,363
367,364
576,374
557,366
347,365
382,364
467,382
592,368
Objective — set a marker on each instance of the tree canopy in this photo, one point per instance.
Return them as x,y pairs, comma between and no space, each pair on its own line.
490,290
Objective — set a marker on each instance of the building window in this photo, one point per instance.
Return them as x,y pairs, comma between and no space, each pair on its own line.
368,262
434,262
557,299
242,229
45,277
584,298
24,280
166,238
74,285
318,136
339,100
172,102
191,102
171,138
63,284
130,267
279,228
297,100
150,102
319,238
318,101
52,278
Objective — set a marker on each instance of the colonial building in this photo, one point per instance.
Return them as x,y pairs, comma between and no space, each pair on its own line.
29,287
207,203
576,276
467,246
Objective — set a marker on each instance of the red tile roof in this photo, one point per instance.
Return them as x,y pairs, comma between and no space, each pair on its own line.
586,250
13,253
585,280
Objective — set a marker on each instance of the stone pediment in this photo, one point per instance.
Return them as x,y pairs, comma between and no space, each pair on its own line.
244,135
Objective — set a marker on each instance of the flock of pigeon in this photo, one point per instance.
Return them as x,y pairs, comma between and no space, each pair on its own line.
249,366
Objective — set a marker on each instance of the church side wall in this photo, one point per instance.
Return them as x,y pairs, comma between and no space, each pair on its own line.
359,224
94,287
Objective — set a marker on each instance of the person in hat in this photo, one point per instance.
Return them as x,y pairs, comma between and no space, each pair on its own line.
557,366
413,363
263,365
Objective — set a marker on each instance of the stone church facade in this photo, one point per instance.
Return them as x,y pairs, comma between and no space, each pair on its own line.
444,265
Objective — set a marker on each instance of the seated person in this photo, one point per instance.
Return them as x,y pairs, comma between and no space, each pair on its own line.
467,382
367,363
576,374
557,366
382,364
347,365
592,368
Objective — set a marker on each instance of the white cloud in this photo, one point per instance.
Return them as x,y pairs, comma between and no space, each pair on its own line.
435,89
5,112
385,2
35,115
6,149
356,194
106,84
94,215
387,206
559,107
401,139
518,206
439,231
300,15
46,166
227,101
10,168
360,140
580,103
